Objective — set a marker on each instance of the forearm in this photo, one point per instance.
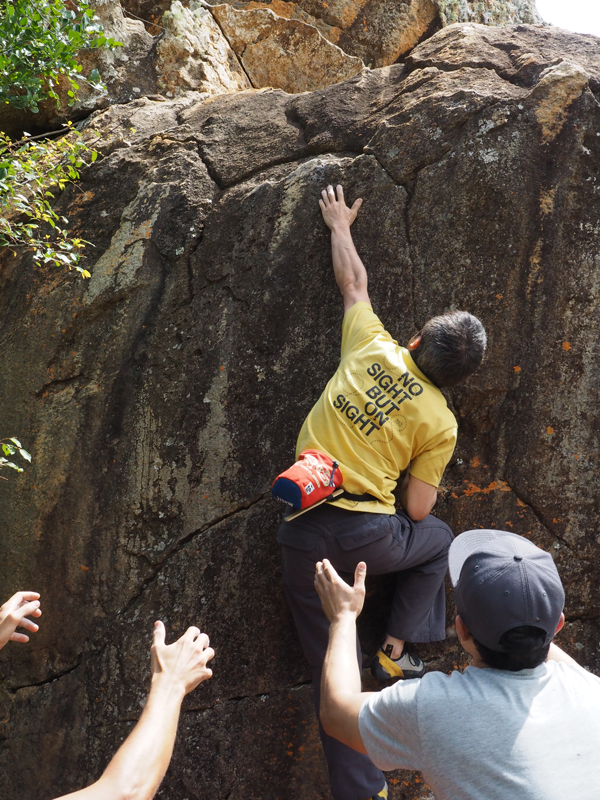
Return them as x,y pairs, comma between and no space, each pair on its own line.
141,762
350,273
341,691
139,765
417,498
340,669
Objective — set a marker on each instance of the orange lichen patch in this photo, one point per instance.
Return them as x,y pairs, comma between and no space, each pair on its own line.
517,369
475,462
536,263
85,569
498,297
575,457
144,231
494,486
222,367
549,430
556,521
566,346
79,199
508,522
521,504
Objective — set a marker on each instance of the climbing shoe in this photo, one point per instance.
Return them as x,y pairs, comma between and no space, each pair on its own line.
382,794
386,668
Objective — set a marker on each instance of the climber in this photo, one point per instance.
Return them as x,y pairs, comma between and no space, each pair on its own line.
139,765
380,415
521,722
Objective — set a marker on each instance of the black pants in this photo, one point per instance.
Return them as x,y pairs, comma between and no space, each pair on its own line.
417,551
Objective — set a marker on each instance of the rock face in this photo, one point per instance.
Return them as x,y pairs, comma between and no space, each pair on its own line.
378,33
283,53
500,12
381,33
194,54
170,47
162,396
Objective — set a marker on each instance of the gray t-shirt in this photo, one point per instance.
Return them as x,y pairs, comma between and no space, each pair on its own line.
489,734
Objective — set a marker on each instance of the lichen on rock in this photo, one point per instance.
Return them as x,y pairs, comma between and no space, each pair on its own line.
283,53
499,12
194,54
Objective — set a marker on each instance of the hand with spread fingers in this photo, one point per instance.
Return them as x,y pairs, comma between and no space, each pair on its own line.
335,211
182,663
337,598
138,767
13,615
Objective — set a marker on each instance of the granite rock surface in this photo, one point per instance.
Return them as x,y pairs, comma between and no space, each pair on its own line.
283,53
162,396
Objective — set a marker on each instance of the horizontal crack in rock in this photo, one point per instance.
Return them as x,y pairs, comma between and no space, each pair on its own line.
259,696
50,679
185,540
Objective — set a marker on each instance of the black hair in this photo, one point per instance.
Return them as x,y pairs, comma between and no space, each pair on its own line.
451,348
524,648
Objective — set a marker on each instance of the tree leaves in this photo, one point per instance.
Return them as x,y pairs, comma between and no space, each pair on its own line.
10,447
39,41
27,171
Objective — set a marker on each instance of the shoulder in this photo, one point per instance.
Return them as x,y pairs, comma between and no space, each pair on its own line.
574,676
360,311
361,325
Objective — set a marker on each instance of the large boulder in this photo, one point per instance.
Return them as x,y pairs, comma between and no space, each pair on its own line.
381,33
161,397
283,53
378,33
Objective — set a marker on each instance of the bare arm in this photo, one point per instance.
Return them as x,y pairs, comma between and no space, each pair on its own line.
349,271
341,695
417,497
139,765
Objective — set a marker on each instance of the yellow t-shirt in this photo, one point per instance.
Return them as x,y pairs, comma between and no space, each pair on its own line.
378,414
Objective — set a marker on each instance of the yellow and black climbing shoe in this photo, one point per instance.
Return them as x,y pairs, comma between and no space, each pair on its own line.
386,668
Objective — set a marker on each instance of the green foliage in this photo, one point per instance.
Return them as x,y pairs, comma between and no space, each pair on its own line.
9,448
28,170
39,40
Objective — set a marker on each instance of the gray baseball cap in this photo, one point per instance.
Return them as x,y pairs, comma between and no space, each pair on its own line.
502,581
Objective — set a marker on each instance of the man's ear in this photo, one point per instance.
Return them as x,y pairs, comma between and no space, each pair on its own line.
414,342
561,622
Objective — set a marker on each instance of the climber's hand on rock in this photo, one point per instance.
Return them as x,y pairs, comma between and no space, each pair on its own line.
335,211
337,598
183,663
13,615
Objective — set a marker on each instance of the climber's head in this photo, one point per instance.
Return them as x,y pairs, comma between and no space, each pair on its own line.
449,347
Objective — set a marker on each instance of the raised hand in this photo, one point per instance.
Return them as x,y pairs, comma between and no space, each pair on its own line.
335,211
182,663
13,615
337,598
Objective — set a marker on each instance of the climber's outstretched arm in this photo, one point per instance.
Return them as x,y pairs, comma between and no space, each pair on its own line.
139,765
350,272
